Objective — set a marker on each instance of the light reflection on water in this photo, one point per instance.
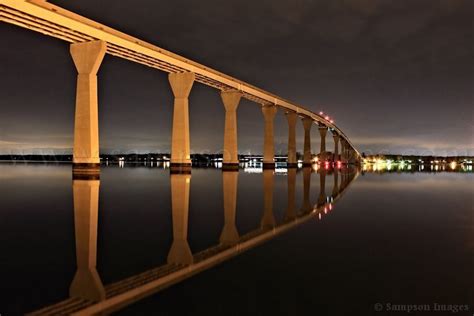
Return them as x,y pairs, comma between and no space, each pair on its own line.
193,222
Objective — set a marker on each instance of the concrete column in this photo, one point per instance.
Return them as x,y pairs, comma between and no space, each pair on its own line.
291,118
268,220
87,58
343,151
181,84
336,147
86,283
269,147
291,208
352,155
180,253
322,187
307,123
322,132
306,207
229,235
231,101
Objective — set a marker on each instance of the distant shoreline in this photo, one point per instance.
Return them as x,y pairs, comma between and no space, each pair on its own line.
210,158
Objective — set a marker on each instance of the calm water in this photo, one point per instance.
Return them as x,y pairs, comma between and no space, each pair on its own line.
301,242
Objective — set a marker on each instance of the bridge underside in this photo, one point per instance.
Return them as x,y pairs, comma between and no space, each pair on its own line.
85,34
54,21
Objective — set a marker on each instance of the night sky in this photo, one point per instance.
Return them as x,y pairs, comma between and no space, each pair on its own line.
396,76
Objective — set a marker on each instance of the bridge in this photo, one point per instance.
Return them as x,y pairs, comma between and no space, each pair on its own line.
91,41
89,296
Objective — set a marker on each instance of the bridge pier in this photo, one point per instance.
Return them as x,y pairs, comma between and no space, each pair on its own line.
350,154
268,219
86,283
180,253
344,159
307,123
291,161
322,152
231,101
269,146
335,136
229,234
87,58
181,84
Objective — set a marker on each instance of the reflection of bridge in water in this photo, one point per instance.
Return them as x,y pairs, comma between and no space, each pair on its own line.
88,295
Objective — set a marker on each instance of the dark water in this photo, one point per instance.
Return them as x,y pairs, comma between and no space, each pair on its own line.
391,238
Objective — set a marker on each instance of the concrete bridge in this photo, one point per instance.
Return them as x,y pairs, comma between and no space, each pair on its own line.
91,41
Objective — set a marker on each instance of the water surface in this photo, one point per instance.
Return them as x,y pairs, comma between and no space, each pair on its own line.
336,245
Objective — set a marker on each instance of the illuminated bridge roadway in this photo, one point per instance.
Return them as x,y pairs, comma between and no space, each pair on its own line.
90,41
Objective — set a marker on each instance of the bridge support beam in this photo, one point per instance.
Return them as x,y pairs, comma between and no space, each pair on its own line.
181,84
352,156
322,152
231,101
180,253
87,58
349,154
268,219
291,160
86,283
229,234
336,147
344,151
307,159
269,146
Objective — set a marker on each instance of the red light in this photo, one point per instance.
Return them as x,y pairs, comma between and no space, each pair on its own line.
331,121
327,117
321,113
